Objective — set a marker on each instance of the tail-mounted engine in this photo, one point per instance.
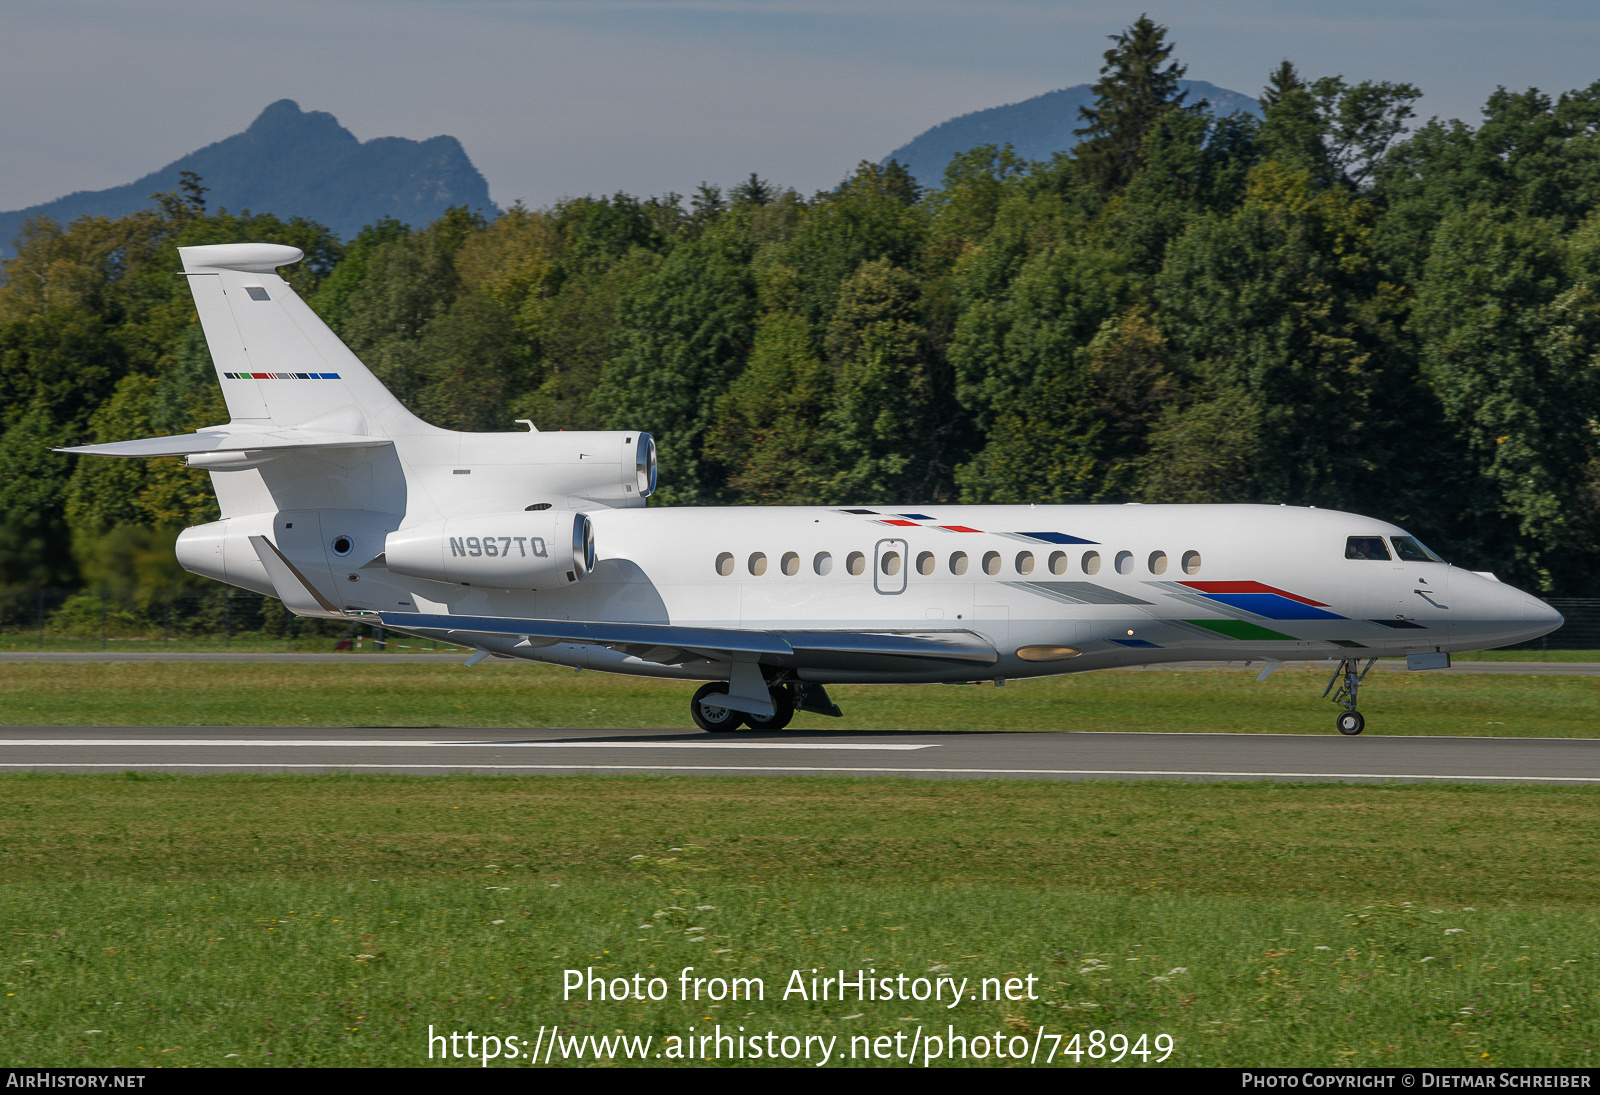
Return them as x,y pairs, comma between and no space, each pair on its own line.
524,550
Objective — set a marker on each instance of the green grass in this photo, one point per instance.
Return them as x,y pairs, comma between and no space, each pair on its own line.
384,692
171,920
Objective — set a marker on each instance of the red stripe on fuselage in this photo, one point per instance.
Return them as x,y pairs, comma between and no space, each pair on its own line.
1249,587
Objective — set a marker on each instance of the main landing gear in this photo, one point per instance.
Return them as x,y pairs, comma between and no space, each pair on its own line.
787,698
1350,721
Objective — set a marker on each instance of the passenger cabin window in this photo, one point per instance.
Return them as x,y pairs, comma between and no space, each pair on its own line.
1158,562
758,563
1058,562
790,564
958,562
1024,562
823,563
925,563
1091,562
1191,562
725,563
855,563
991,562
1413,551
1124,562
1365,547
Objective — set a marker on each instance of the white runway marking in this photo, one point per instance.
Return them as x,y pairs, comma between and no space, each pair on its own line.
369,744
851,770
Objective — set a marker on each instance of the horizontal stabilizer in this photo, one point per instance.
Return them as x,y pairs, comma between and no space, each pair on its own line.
668,644
228,440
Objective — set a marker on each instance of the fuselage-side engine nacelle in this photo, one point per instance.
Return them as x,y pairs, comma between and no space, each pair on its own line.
497,550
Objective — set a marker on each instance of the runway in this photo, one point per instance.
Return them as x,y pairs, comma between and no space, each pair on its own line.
1046,755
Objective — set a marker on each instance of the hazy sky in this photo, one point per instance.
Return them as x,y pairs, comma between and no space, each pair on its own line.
564,97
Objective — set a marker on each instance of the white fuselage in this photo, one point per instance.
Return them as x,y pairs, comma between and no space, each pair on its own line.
1141,584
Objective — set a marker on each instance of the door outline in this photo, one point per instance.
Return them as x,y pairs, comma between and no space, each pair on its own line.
886,583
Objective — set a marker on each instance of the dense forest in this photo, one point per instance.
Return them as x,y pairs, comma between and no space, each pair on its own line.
1329,306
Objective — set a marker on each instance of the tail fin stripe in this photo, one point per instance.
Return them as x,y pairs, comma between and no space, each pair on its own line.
281,376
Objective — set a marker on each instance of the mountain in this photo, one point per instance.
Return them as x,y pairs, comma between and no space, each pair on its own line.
295,163
1037,128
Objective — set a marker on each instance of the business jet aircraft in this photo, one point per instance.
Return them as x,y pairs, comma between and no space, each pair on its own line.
538,546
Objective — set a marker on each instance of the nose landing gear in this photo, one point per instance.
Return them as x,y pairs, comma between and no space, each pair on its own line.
1350,721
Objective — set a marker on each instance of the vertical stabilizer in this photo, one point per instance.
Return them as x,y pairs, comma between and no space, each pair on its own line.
278,363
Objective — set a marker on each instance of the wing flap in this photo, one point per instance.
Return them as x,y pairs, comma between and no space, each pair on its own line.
962,647
670,644
711,641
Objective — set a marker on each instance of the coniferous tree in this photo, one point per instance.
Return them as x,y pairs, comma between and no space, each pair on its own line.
1136,87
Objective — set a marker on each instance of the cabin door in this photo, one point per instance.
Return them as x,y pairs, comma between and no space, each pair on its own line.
889,567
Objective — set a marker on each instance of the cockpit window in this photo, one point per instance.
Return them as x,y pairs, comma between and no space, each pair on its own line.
1365,547
1413,551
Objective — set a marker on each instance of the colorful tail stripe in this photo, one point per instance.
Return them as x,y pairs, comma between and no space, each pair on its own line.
281,376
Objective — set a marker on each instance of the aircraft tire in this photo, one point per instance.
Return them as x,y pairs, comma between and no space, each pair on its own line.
719,720
783,700
1350,723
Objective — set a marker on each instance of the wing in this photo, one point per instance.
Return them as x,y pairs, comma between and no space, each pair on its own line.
669,644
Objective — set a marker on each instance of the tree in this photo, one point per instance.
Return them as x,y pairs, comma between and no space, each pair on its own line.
683,336
975,183
1136,87
883,427
411,280
1278,308
1509,321
753,191
872,215
769,430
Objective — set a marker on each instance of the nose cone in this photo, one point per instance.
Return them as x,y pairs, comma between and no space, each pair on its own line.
1542,615
1495,614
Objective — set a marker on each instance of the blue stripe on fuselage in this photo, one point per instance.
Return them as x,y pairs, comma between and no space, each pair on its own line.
1273,607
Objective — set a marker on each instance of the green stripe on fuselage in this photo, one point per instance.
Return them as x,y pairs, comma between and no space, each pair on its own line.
1241,629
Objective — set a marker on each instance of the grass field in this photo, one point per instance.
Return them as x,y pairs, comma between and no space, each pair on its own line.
169,920
389,692
330,920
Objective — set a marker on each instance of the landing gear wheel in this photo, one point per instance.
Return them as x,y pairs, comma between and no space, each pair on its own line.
1351,723
783,701
709,716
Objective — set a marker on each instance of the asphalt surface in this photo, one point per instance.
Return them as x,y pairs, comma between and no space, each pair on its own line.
1035,756
1559,669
